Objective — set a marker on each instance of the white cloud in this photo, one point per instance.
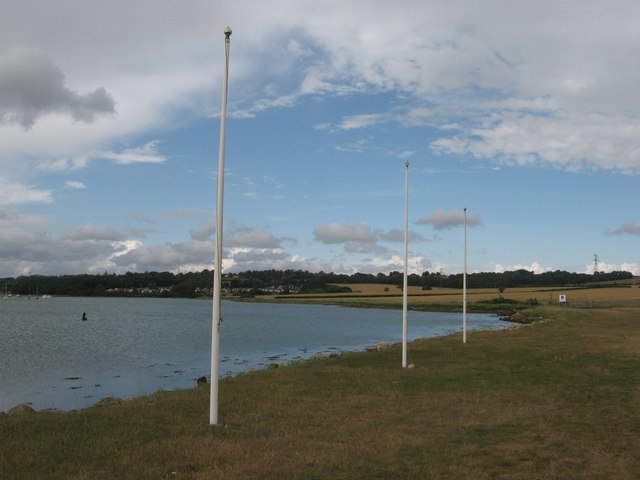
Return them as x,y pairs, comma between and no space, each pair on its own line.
16,194
535,267
507,83
361,121
147,153
570,141
632,267
357,146
167,257
443,220
402,154
495,58
415,263
75,185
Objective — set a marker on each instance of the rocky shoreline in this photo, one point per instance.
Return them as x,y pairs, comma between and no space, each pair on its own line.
26,409
517,320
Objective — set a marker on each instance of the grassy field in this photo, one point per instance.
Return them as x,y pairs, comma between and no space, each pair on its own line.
554,400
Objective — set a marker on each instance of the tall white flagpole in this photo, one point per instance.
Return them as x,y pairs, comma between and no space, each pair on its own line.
464,283
406,262
217,277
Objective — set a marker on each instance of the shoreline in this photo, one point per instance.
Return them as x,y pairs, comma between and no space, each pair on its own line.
27,408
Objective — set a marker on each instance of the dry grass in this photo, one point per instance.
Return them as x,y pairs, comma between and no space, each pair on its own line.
557,400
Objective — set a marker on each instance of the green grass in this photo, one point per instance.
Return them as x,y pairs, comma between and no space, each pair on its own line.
555,400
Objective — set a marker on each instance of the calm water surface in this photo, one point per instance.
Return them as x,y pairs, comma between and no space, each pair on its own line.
50,358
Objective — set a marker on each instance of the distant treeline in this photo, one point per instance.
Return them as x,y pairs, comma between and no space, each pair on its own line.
195,284
517,278
157,284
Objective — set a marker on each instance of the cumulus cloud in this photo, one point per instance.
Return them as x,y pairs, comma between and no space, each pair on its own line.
28,246
242,259
249,237
237,235
415,263
336,232
29,250
630,228
170,256
397,236
535,267
443,220
204,231
358,238
632,267
31,86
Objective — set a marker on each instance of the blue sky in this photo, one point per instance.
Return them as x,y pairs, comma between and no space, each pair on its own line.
525,113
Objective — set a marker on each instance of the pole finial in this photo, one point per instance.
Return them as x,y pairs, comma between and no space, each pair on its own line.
227,32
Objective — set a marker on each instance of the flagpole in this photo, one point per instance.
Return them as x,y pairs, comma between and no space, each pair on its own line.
217,274
406,261
464,283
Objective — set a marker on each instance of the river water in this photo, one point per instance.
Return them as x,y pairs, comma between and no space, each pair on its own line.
51,359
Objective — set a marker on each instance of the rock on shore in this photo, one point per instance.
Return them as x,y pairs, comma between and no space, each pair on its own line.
519,320
21,409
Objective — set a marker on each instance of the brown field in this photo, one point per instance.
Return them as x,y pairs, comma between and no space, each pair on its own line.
596,296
